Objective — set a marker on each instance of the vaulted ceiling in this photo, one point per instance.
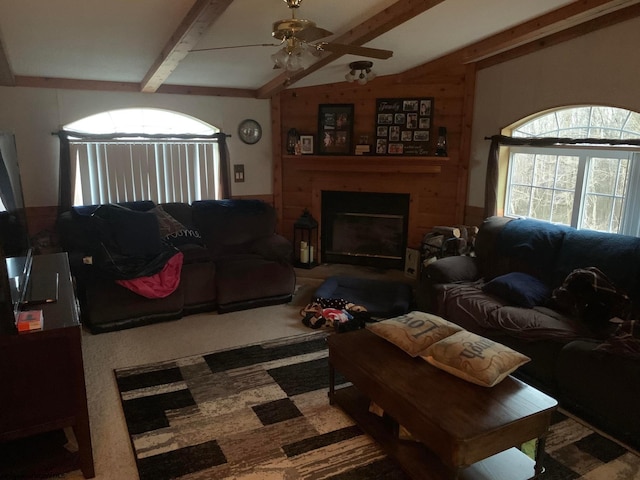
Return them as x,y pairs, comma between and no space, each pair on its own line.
173,46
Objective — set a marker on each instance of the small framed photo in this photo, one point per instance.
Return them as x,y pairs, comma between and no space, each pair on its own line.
306,144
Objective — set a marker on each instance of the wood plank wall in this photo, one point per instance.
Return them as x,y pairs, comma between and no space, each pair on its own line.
436,198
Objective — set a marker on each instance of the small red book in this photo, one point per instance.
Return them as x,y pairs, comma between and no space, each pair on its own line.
29,320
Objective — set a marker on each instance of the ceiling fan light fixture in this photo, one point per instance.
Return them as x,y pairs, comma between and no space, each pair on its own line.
365,75
280,58
293,3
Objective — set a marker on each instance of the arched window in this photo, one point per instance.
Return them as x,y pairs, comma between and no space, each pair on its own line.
586,185
143,154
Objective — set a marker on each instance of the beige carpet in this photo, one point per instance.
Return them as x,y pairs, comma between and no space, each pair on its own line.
170,340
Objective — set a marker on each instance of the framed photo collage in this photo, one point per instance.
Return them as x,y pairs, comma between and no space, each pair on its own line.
403,126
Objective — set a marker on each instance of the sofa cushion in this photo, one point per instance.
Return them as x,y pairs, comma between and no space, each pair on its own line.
453,269
467,305
531,246
231,226
243,281
273,247
520,289
415,331
474,358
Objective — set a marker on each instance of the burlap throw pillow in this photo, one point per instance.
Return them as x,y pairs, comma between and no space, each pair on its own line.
474,358
414,331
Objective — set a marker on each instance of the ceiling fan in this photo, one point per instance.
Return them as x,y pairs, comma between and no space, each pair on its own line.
300,37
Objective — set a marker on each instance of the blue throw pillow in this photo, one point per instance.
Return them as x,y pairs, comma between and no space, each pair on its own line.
519,289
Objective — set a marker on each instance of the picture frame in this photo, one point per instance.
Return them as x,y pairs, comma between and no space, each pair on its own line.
403,126
306,144
335,129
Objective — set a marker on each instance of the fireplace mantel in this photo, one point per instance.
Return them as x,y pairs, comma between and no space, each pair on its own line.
365,163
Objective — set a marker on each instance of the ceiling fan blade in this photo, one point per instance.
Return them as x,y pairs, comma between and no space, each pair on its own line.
235,46
312,33
355,50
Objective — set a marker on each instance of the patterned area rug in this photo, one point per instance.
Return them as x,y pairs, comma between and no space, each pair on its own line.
261,412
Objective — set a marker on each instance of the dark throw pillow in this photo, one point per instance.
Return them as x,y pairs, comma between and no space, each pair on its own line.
136,233
183,237
166,222
520,289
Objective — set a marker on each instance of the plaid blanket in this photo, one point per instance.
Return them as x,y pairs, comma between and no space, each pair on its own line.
588,294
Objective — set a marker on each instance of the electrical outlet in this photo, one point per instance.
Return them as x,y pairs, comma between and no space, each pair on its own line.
238,173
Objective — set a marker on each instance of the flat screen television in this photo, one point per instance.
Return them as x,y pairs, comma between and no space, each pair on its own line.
14,237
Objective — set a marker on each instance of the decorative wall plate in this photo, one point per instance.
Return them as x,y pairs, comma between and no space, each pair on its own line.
250,131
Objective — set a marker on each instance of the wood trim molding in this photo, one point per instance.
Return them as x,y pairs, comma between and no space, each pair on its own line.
276,148
364,164
103,85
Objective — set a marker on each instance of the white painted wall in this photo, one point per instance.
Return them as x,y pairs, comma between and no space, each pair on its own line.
601,68
32,114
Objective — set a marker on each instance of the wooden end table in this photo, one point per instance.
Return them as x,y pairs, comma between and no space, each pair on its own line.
42,373
464,431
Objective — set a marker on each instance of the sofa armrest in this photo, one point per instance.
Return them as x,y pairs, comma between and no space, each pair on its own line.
453,269
273,247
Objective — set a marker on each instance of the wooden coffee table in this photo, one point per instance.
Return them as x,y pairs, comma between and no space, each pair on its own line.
465,431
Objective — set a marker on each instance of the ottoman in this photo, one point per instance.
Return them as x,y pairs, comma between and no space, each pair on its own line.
381,298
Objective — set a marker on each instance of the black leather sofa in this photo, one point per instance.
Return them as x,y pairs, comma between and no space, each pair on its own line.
510,292
232,259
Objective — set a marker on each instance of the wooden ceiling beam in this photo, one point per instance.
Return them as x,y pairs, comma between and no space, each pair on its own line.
558,26
109,86
201,15
604,21
545,25
386,20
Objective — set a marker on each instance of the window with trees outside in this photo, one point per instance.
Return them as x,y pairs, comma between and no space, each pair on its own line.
588,186
143,154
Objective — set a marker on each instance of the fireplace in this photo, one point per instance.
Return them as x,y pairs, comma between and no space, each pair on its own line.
364,228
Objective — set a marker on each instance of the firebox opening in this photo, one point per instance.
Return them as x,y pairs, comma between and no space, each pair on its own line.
364,228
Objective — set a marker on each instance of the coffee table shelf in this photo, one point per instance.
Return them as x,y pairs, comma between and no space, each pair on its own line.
420,463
